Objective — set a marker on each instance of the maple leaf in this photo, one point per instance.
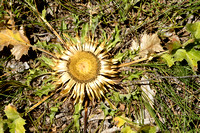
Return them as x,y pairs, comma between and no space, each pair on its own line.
15,38
149,45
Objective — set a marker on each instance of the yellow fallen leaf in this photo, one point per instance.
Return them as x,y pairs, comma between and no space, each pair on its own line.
149,45
15,38
120,120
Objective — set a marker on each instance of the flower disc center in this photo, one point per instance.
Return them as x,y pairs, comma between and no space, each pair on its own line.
83,66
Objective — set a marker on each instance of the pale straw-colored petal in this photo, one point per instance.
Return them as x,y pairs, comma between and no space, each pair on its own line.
68,53
82,95
102,84
76,90
65,57
102,78
99,48
65,77
90,91
95,88
61,66
79,47
92,48
73,49
68,87
102,55
70,84
87,47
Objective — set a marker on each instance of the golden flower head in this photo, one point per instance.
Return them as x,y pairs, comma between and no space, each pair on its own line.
84,70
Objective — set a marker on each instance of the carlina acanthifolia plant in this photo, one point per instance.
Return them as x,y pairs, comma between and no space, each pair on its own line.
85,70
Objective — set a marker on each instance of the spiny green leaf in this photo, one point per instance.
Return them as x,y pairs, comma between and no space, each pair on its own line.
179,55
125,97
54,110
77,115
84,30
45,89
107,110
116,38
34,73
135,75
120,56
117,97
47,61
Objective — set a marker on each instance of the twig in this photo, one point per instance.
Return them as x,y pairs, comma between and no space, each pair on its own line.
132,62
142,59
40,102
85,118
42,50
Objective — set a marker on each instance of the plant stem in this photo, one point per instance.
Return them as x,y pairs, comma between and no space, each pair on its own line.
142,59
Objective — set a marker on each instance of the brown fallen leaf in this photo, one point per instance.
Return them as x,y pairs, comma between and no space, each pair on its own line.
174,43
17,39
149,45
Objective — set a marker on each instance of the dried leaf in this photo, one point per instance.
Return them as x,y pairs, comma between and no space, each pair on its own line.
149,45
134,46
15,38
174,43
